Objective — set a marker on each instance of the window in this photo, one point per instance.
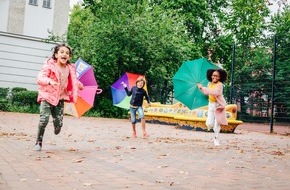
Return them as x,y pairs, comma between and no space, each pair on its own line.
33,2
46,4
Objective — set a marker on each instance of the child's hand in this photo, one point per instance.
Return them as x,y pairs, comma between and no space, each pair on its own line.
199,86
81,87
52,82
124,84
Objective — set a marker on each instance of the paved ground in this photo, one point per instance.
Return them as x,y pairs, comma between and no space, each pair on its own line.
98,153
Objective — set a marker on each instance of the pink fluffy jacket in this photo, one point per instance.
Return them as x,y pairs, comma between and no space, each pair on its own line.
50,93
220,112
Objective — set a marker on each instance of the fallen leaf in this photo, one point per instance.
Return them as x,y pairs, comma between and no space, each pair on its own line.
87,184
72,149
278,153
78,161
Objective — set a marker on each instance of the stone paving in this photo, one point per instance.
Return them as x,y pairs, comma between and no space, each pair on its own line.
99,153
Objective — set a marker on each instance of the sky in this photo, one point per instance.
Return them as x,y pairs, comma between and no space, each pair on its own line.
73,2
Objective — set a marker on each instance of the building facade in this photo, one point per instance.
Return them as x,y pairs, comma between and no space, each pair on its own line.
34,18
24,26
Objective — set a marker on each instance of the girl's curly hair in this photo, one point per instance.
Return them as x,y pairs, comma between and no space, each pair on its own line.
57,47
223,74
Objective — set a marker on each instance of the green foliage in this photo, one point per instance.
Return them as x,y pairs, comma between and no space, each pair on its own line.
246,20
24,101
120,36
106,109
53,38
25,98
4,93
204,20
155,37
280,25
3,99
18,89
19,100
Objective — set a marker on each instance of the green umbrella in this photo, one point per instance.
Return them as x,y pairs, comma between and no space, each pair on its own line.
186,79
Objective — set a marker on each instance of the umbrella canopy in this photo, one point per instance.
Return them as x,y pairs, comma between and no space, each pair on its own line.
186,79
120,98
86,97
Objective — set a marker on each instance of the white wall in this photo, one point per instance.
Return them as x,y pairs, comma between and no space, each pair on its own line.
4,9
61,17
19,17
21,59
38,20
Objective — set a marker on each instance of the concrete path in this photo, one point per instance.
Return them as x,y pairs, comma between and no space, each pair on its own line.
99,153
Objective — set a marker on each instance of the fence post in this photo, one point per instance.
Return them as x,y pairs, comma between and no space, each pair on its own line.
273,84
232,73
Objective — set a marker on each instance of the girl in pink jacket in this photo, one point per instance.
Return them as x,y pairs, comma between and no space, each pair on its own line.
57,83
216,114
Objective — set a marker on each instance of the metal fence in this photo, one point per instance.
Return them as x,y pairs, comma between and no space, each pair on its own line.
260,84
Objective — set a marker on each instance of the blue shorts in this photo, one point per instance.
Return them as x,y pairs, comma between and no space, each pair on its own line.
133,111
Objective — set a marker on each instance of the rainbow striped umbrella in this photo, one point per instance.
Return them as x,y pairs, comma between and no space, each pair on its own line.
120,98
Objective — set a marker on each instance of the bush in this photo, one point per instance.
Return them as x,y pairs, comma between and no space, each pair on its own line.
24,101
4,93
4,103
25,98
107,109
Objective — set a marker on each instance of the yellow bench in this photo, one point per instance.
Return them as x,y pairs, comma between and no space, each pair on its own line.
180,115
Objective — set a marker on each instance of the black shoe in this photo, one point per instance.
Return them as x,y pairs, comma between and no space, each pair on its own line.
57,130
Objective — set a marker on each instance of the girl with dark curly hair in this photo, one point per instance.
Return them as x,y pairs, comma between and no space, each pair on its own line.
57,83
216,115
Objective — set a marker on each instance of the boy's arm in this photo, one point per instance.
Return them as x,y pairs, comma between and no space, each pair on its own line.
147,97
128,92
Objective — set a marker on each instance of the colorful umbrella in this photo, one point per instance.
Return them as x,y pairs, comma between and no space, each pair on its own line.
120,98
86,97
186,79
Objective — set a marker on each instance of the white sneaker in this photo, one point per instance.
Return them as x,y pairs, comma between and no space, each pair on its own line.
216,142
37,147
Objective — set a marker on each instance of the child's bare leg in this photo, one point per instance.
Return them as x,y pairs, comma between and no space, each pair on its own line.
134,128
134,135
145,134
133,121
143,126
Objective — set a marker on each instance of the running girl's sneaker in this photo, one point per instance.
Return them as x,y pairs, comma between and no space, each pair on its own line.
216,142
37,146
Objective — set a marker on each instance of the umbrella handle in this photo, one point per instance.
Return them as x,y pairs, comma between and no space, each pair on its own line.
99,91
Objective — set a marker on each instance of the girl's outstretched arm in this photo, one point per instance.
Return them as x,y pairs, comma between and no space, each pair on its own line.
215,92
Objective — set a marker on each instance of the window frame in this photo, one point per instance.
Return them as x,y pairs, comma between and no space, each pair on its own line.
33,2
46,4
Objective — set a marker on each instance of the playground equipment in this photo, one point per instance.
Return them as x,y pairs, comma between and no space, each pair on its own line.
181,116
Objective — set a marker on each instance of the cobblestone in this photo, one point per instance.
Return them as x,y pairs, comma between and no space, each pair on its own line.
98,153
